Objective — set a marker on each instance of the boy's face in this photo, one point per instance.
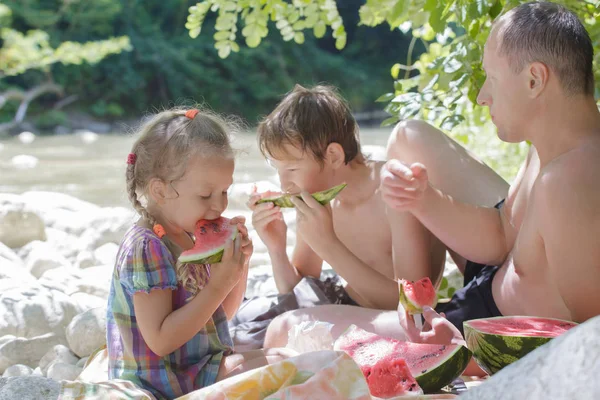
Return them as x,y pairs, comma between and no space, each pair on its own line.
299,171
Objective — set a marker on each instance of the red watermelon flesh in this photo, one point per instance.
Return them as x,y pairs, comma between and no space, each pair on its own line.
210,239
416,295
522,326
390,377
432,366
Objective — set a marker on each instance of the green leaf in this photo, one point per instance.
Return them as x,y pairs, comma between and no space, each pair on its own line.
224,51
451,121
451,292
253,41
443,283
496,9
397,13
340,42
384,98
395,71
299,37
389,121
319,29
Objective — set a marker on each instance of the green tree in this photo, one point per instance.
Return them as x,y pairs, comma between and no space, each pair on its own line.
440,86
26,46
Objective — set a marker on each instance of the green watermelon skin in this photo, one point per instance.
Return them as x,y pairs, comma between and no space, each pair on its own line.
495,347
364,346
210,239
323,197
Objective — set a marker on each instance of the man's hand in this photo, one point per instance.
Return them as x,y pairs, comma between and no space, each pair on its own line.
402,186
314,223
440,330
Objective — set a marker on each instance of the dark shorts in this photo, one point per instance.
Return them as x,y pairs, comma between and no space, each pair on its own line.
475,299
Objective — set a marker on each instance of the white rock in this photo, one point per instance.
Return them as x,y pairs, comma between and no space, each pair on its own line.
87,332
62,242
58,353
17,370
85,259
85,301
29,388
34,310
563,369
106,254
27,351
7,254
26,137
61,371
13,275
108,225
24,161
81,362
43,257
37,372
95,281
18,224
63,279
87,137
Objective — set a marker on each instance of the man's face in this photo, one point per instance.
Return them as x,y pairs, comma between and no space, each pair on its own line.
299,171
505,94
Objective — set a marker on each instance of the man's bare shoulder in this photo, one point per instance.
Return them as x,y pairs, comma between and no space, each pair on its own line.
572,178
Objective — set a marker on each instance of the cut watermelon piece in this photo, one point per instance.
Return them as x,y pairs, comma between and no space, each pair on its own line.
500,341
416,295
283,200
432,366
210,239
390,377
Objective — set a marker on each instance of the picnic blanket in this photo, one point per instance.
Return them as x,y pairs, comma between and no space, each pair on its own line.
326,374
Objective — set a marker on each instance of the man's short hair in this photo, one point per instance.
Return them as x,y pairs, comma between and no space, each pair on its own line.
310,119
549,33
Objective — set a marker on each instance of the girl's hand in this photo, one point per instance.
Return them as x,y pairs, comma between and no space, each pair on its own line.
246,243
226,274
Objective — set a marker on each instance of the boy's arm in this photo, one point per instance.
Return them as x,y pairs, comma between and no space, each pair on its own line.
569,223
305,262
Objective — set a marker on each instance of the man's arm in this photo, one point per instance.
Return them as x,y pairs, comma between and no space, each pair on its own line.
305,262
567,204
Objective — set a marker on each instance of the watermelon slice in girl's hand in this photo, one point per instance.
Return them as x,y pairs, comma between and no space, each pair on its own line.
211,237
416,295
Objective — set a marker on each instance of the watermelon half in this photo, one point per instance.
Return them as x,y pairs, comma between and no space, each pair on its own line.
210,239
499,341
283,200
416,295
432,366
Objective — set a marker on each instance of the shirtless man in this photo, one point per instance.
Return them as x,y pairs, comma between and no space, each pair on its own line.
538,253
312,140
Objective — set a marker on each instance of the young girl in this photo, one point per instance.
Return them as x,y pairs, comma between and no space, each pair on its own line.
167,325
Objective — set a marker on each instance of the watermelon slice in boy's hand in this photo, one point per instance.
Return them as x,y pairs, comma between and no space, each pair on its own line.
283,200
211,237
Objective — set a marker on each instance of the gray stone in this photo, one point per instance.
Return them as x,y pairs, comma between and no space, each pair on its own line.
17,370
565,368
63,372
87,332
29,388
58,353
18,224
27,351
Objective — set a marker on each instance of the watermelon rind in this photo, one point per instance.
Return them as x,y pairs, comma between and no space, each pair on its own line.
408,305
492,352
448,368
322,197
212,257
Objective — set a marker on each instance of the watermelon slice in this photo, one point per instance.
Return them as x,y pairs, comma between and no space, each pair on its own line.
499,341
432,366
283,200
211,237
416,295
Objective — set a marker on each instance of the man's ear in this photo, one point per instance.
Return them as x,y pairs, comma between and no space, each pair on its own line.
157,190
334,155
537,77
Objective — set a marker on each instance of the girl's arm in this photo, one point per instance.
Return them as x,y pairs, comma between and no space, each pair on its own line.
165,330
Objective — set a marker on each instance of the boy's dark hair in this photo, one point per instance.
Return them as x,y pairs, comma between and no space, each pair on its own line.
310,119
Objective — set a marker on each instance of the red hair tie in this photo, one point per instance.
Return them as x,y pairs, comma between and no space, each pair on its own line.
191,114
131,158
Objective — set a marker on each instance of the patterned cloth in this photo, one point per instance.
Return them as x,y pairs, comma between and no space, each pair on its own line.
144,263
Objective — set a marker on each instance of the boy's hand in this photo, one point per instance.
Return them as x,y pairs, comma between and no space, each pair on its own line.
402,186
315,223
268,221
441,331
